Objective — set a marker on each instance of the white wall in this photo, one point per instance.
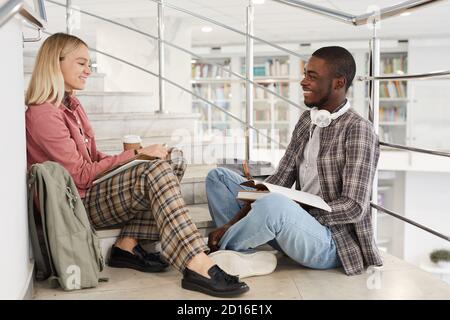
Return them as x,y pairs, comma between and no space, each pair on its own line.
428,111
426,193
143,51
14,260
426,202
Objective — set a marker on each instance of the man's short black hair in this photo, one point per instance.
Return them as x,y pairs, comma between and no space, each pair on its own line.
340,61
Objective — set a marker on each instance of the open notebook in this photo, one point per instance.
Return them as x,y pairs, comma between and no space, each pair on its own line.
296,195
124,166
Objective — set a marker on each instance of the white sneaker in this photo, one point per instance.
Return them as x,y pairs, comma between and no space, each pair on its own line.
245,265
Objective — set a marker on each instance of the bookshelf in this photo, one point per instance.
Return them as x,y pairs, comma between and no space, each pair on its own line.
273,116
270,113
214,84
393,99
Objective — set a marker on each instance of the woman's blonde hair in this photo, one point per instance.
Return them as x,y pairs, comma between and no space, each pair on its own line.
47,82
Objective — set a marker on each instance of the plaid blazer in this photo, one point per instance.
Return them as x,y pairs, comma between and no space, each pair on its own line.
346,165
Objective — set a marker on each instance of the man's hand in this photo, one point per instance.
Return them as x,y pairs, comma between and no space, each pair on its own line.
215,236
154,150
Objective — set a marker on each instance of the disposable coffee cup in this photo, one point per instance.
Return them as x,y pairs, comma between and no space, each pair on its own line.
131,142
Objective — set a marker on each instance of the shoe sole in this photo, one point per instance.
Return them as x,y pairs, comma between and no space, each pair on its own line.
123,264
222,294
245,265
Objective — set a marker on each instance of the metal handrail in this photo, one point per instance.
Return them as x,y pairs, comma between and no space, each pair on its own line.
426,75
196,56
362,19
426,151
12,7
380,208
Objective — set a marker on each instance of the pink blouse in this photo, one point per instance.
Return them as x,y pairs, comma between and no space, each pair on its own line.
64,135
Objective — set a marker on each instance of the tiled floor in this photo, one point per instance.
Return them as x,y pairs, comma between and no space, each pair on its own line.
397,280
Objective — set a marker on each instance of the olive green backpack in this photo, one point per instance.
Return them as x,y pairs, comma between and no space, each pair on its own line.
65,246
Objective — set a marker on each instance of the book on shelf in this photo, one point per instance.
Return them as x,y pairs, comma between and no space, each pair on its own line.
138,159
268,67
209,70
284,69
392,89
218,93
259,93
261,114
391,65
264,188
281,114
400,88
282,89
392,113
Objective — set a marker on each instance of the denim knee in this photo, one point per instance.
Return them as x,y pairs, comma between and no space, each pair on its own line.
274,202
274,206
218,174
213,174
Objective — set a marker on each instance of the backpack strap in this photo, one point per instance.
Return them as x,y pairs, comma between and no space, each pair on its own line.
39,257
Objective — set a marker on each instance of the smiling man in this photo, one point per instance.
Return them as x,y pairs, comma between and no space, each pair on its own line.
333,153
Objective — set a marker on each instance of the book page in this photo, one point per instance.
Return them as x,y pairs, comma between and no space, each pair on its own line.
118,170
110,173
299,196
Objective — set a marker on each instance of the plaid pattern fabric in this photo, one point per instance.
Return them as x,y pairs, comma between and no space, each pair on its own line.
346,165
146,200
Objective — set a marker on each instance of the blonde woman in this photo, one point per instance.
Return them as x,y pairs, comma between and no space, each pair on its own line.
145,199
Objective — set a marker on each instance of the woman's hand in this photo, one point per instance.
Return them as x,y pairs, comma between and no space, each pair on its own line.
154,150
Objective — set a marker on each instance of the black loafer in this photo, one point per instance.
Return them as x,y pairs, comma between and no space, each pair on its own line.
150,256
123,259
221,283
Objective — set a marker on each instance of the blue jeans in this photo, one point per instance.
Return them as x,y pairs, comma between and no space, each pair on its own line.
273,219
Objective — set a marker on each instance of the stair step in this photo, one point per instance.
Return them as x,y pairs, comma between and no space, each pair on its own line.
145,124
111,101
95,82
197,173
199,152
193,184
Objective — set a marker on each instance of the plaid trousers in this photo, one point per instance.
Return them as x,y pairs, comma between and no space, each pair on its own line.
146,200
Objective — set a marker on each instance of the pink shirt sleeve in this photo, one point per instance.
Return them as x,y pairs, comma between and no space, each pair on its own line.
101,156
55,140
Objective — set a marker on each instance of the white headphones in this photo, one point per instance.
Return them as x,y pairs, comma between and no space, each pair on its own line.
323,118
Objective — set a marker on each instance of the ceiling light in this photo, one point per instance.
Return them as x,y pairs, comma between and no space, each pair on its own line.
404,14
206,29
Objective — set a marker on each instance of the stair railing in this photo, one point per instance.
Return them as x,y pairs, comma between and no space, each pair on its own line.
373,77
36,19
